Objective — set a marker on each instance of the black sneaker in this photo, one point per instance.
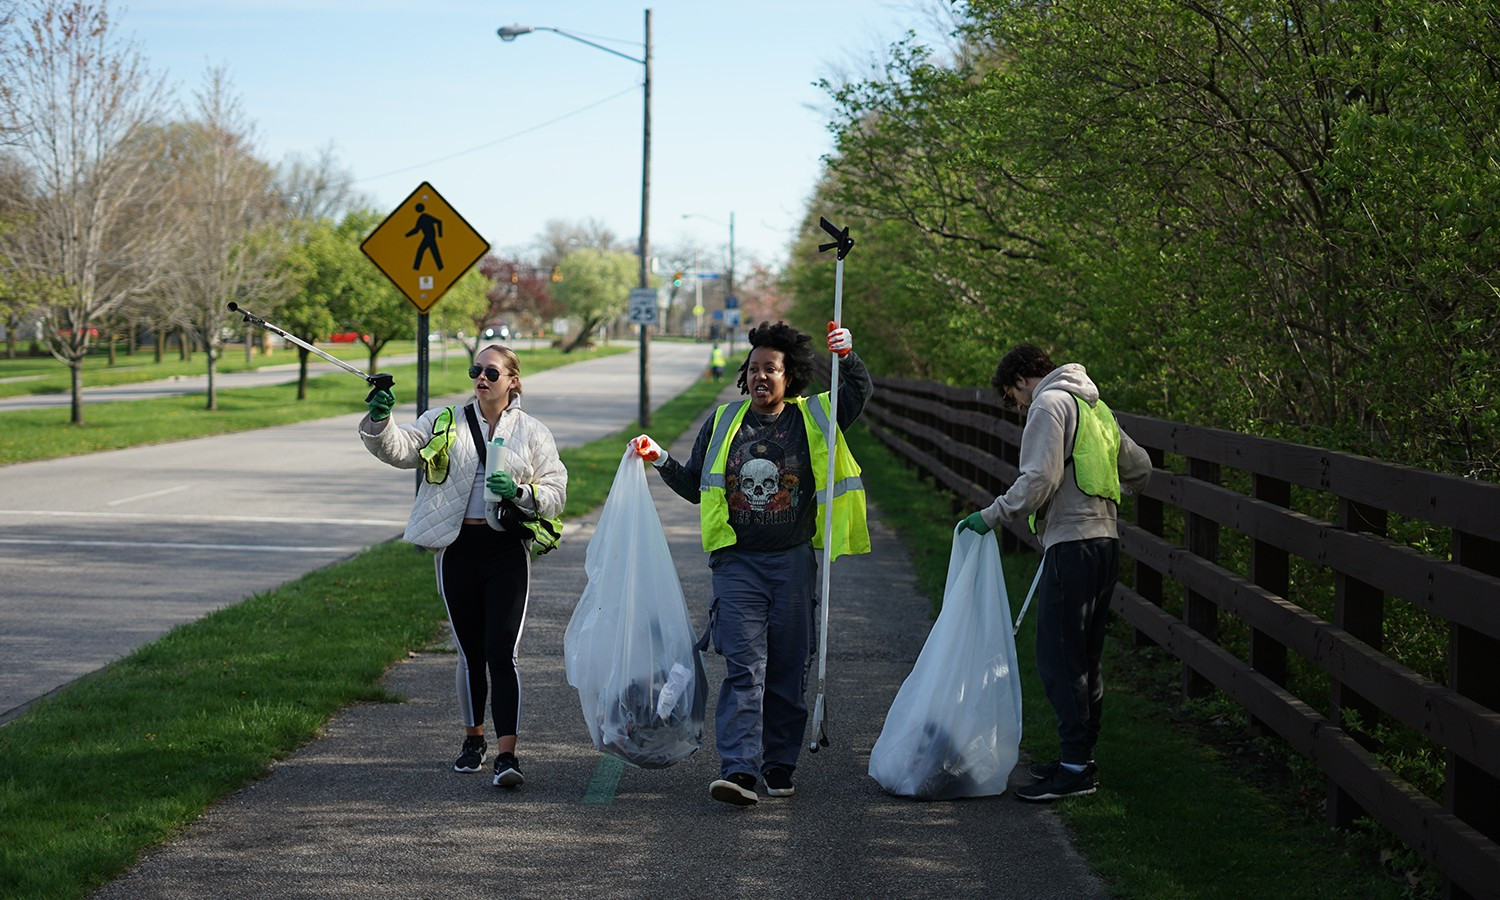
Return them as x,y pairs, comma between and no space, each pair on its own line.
1040,771
779,782
1043,771
1062,783
508,771
471,757
738,789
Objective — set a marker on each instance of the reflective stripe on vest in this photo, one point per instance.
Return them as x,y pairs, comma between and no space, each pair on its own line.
850,528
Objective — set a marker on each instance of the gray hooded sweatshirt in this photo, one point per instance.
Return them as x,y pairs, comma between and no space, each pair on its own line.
1046,485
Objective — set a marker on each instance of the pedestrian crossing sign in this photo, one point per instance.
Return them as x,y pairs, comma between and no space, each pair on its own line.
424,246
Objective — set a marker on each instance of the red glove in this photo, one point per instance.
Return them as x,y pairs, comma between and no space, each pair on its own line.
648,450
839,340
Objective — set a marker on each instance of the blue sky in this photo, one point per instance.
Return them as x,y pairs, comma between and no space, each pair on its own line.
515,133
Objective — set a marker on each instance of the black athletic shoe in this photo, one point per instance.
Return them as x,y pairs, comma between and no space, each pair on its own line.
1043,771
779,782
738,789
508,771
1061,784
471,757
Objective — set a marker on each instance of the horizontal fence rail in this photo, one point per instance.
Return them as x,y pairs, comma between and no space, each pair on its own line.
1244,535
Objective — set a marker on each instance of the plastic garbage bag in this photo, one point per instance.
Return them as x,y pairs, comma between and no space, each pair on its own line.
954,729
629,648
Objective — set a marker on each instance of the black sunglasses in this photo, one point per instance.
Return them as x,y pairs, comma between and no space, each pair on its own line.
490,372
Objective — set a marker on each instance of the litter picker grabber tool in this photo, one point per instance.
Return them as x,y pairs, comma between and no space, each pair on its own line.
1029,594
843,243
377,381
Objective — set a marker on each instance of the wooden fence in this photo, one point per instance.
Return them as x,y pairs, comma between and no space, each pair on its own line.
1215,553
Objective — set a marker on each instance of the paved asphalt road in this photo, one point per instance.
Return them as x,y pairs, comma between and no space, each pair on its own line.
100,554
372,809
262,377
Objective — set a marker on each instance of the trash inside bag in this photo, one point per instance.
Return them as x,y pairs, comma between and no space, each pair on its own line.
954,729
629,648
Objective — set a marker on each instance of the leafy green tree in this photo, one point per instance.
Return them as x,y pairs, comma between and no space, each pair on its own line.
464,307
1273,217
594,288
312,277
364,300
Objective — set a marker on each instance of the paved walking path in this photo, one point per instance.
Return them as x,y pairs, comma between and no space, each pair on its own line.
373,809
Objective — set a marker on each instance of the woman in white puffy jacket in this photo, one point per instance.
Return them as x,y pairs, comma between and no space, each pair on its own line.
483,561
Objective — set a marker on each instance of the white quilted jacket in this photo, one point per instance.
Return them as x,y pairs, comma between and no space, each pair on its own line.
438,511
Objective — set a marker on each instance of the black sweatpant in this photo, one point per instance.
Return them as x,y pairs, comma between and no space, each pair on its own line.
484,578
1072,613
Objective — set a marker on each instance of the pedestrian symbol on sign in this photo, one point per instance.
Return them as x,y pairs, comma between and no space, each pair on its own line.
432,229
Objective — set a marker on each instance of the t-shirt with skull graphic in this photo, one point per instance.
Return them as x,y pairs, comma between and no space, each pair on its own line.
769,482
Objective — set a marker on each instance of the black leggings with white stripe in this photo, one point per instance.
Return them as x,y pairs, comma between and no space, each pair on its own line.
484,577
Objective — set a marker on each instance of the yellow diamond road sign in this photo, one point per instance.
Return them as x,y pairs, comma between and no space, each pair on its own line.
424,246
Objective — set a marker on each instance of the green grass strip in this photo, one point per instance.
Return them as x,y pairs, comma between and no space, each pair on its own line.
1171,819
34,434
122,759
44,375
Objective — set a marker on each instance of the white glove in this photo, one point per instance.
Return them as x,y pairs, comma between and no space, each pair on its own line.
649,450
840,341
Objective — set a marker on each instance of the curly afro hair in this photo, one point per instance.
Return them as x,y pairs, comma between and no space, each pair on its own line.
795,346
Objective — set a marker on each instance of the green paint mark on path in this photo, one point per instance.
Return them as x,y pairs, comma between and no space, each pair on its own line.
601,790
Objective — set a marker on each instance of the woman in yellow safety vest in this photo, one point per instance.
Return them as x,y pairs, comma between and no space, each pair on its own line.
758,471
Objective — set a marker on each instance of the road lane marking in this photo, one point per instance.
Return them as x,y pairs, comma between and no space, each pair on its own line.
601,789
161,493
167,545
167,517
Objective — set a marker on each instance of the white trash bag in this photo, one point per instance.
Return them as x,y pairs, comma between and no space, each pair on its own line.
954,729
629,646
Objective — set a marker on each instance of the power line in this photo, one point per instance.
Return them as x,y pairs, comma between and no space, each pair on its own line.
508,137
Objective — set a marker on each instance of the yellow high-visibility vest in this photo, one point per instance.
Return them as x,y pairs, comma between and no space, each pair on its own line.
851,533
1096,453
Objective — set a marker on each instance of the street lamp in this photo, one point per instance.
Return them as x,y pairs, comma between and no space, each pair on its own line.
510,33
729,287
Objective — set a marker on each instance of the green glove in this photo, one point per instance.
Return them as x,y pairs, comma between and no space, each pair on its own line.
501,484
381,402
975,523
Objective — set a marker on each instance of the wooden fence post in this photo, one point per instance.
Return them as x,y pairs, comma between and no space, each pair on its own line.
1150,517
1200,613
1359,609
1474,671
1270,567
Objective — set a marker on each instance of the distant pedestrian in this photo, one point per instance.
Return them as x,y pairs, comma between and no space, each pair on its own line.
758,471
1075,462
483,561
716,363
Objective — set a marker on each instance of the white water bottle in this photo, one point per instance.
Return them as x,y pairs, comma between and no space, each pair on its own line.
492,464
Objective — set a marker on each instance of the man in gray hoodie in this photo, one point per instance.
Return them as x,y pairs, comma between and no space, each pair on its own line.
1075,464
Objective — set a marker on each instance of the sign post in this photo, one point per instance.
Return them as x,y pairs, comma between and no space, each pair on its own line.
423,247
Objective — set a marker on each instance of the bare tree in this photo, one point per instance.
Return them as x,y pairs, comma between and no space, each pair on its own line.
80,103
228,219
318,188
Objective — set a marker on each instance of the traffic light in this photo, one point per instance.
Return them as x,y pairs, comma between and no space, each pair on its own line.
515,275
557,273
677,279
